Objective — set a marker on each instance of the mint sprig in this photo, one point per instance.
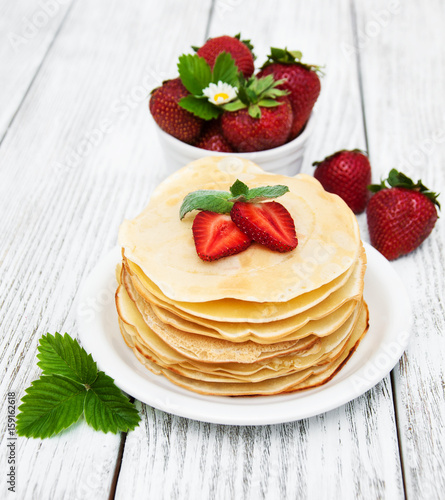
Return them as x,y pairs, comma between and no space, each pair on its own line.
196,75
222,201
70,385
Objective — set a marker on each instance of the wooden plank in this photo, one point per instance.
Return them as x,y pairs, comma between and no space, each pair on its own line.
67,181
28,30
348,453
404,104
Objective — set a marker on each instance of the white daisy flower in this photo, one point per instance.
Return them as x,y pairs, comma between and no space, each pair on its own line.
220,93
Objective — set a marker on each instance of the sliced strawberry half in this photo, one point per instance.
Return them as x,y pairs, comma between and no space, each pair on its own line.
216,236
267,223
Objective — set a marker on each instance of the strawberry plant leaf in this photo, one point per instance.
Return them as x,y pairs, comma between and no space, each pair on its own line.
107,409
195,73
51,404
398,179
254,111
234,106
200,107
225,70
214,201
64,356
269,103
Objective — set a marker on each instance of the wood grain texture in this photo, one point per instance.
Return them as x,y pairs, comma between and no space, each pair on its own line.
67,181
404,105
348,453
27,31
81,155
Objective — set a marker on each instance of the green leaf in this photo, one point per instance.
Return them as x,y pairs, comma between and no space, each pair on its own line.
51,404
205,199
107,409
238,187
64,356
200,107
234,106
254,111
195,73
399,179
225,70
269,103
263,192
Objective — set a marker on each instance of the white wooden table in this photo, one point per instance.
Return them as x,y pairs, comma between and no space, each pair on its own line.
78,154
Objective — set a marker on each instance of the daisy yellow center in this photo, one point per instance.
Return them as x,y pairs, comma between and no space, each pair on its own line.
221,95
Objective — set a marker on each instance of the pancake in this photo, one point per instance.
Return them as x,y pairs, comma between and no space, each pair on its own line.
231,328
199,348
256,323
162,245
305,379
146,343
235,310
317,328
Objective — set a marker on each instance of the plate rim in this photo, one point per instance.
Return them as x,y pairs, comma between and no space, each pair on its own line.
213,409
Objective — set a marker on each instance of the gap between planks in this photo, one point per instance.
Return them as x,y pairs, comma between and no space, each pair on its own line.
124,435
365,131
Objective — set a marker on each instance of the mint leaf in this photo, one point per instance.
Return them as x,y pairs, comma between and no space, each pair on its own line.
200,107
64,356
225,70
215,201
264,192
107,409
195,73
238,187
51,404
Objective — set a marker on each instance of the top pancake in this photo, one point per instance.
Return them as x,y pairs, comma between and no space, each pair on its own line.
162,245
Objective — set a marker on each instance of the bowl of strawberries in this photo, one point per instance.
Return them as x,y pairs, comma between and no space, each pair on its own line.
217,104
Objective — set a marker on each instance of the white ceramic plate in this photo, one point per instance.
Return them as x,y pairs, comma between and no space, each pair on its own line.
379,351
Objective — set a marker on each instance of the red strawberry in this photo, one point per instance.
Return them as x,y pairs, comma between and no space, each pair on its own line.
267,223
401,217
216,236
348,174
170,117
301,80
241,51
212,138
259,119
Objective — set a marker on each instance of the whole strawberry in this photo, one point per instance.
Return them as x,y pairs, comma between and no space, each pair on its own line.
301,80
261,117
171,117
400,217
212,138
240,50
347,174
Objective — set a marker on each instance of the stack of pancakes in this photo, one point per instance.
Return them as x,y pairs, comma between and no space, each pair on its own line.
256,323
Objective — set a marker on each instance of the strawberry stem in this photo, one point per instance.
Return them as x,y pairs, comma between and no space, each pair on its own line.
400,180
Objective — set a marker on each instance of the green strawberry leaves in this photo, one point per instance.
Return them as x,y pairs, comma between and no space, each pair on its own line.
69,386
285,56
399,179
222,201
64,356
200,107
196,75
51,404
256,93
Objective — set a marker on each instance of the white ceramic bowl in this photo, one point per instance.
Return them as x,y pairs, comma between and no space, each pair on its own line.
285,159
